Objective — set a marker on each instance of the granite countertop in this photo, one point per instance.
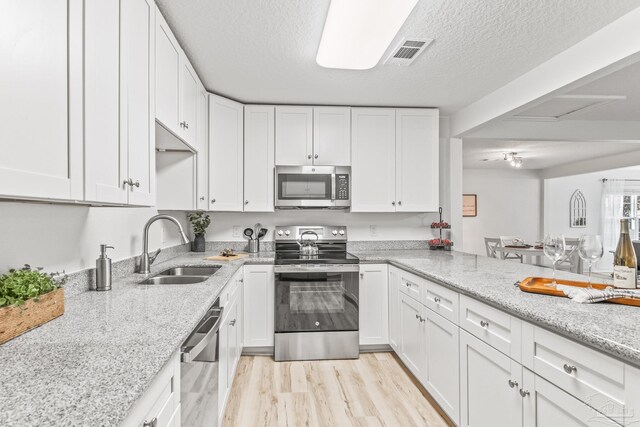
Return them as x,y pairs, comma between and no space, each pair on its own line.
90,365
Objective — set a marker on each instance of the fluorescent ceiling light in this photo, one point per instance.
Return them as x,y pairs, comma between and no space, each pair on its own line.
358,32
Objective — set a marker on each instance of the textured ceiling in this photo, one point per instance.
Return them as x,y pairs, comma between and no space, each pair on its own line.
264,50
488,154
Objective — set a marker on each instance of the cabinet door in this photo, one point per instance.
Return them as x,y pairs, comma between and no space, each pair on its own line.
374,305
395,331
373,159
188,101
414,337
548,406
225,154
294,135
167,77
36,144
232,340
202,162
259,136
137,124
258,309
332,136
223,365
417,142
487,399
104,170
442,378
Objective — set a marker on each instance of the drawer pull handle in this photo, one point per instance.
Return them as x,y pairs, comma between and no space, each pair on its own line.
408,284
232,322
422,319
513,384
524,393
569,368
436,299
484,323
152,423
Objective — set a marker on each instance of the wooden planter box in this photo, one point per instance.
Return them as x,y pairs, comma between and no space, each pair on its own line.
16,321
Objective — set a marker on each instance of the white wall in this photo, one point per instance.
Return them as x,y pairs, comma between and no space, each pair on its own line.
67,237
557,193
509,204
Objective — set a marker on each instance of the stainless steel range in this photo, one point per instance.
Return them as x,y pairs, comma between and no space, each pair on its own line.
316,282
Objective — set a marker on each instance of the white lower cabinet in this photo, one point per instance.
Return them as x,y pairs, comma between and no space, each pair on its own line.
259,306
490,384
394,309
373,305
442,375
413,343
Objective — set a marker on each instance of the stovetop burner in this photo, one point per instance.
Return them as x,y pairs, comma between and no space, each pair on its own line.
330,240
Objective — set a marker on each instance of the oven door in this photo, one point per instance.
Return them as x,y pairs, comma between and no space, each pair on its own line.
312,298
305,186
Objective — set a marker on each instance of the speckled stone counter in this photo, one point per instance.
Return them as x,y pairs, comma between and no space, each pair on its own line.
87,367
611,328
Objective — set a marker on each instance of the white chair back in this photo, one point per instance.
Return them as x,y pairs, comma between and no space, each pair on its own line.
490,244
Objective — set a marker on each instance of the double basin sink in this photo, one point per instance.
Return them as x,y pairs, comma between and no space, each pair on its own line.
182,275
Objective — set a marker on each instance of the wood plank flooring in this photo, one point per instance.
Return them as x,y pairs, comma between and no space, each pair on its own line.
371,391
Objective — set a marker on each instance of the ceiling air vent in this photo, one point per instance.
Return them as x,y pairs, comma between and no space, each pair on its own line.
407,51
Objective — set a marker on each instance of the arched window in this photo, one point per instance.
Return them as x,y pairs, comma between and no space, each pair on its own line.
578,210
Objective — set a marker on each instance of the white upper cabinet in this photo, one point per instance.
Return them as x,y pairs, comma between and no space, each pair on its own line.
373,133
259,136
137,113
188,102
225,154
332,136
417,142
104,152
38,148
294,135
202,159
168,71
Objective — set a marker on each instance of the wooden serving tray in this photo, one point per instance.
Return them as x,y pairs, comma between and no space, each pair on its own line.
16,321
537,285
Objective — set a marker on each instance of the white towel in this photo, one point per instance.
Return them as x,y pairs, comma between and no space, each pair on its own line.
586,295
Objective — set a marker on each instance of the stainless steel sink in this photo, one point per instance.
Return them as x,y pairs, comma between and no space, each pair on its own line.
181,275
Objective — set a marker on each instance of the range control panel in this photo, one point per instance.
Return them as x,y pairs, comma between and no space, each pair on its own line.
342,186
324,232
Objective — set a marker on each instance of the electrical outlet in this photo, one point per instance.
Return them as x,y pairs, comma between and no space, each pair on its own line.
373,230
237,232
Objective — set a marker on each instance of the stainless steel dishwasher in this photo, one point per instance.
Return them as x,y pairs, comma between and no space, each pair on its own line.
199,372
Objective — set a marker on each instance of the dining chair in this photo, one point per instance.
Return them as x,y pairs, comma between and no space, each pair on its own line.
511,240
571,260
490,244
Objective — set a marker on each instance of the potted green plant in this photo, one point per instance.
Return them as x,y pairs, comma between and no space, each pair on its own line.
200,221
28,299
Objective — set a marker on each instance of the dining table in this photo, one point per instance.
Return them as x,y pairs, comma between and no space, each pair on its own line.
530,254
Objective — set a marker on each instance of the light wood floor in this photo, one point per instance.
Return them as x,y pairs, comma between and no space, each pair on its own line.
371,391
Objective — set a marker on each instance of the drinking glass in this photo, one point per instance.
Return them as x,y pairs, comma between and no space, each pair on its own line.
554,248
590,250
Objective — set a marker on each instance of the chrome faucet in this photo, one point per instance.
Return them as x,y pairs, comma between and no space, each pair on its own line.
145,259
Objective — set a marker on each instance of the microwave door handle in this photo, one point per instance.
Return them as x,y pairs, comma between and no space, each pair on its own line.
333,187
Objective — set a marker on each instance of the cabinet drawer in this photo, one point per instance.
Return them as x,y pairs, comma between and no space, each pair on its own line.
587,374
495,327
443,301
413,286
230,291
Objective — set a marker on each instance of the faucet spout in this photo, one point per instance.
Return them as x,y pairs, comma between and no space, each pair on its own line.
145,260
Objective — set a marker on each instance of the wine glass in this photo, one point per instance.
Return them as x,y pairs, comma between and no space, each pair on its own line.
590,250
554,248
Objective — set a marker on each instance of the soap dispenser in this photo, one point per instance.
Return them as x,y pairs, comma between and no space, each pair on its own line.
103,270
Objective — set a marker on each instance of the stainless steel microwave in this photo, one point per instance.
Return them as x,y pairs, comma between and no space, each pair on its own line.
313,187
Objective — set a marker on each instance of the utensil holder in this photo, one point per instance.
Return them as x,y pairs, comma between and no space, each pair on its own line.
254,246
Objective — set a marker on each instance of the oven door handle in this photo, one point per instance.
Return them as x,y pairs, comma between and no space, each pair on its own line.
317,268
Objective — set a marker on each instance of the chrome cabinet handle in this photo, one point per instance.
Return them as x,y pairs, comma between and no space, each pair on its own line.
184,125
241,280
362,275
213,200
315,157
152,423
524,393
393,203
408,284
246,202
202,198
131,183
232,322
422,319
484,323
436,300
513,384
569,368
309,156
400,203
417,317
137,184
